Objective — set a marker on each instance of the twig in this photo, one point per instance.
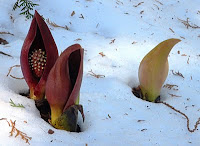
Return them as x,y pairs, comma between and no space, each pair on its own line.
174,95
159,2
6,121
12,75
183,55
133,42
188,121
177,74
182,37
140,120
119,2
81,16
141,12
23,135
95,75
17,77
18,132
3,42
188,60
169,86
5,54
97,25
78,39
12,68
143,129
3,119
187,24
138,4
171,30
6,33
15,105
156,6
56,25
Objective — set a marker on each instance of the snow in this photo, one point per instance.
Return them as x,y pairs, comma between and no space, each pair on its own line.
111,110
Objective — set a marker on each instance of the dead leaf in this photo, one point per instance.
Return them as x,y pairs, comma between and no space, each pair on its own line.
112,41
102,54
73,13
51,131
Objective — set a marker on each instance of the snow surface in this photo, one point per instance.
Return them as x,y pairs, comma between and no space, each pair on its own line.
111,110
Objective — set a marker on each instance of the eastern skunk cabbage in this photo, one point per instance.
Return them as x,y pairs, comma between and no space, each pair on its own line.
63,88
38,55
154,68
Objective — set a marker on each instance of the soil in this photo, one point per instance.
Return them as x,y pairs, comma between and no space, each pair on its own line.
138,93
44,108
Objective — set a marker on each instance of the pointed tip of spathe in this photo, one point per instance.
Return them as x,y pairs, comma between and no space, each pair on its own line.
73,48
175,40
172,41
36,14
